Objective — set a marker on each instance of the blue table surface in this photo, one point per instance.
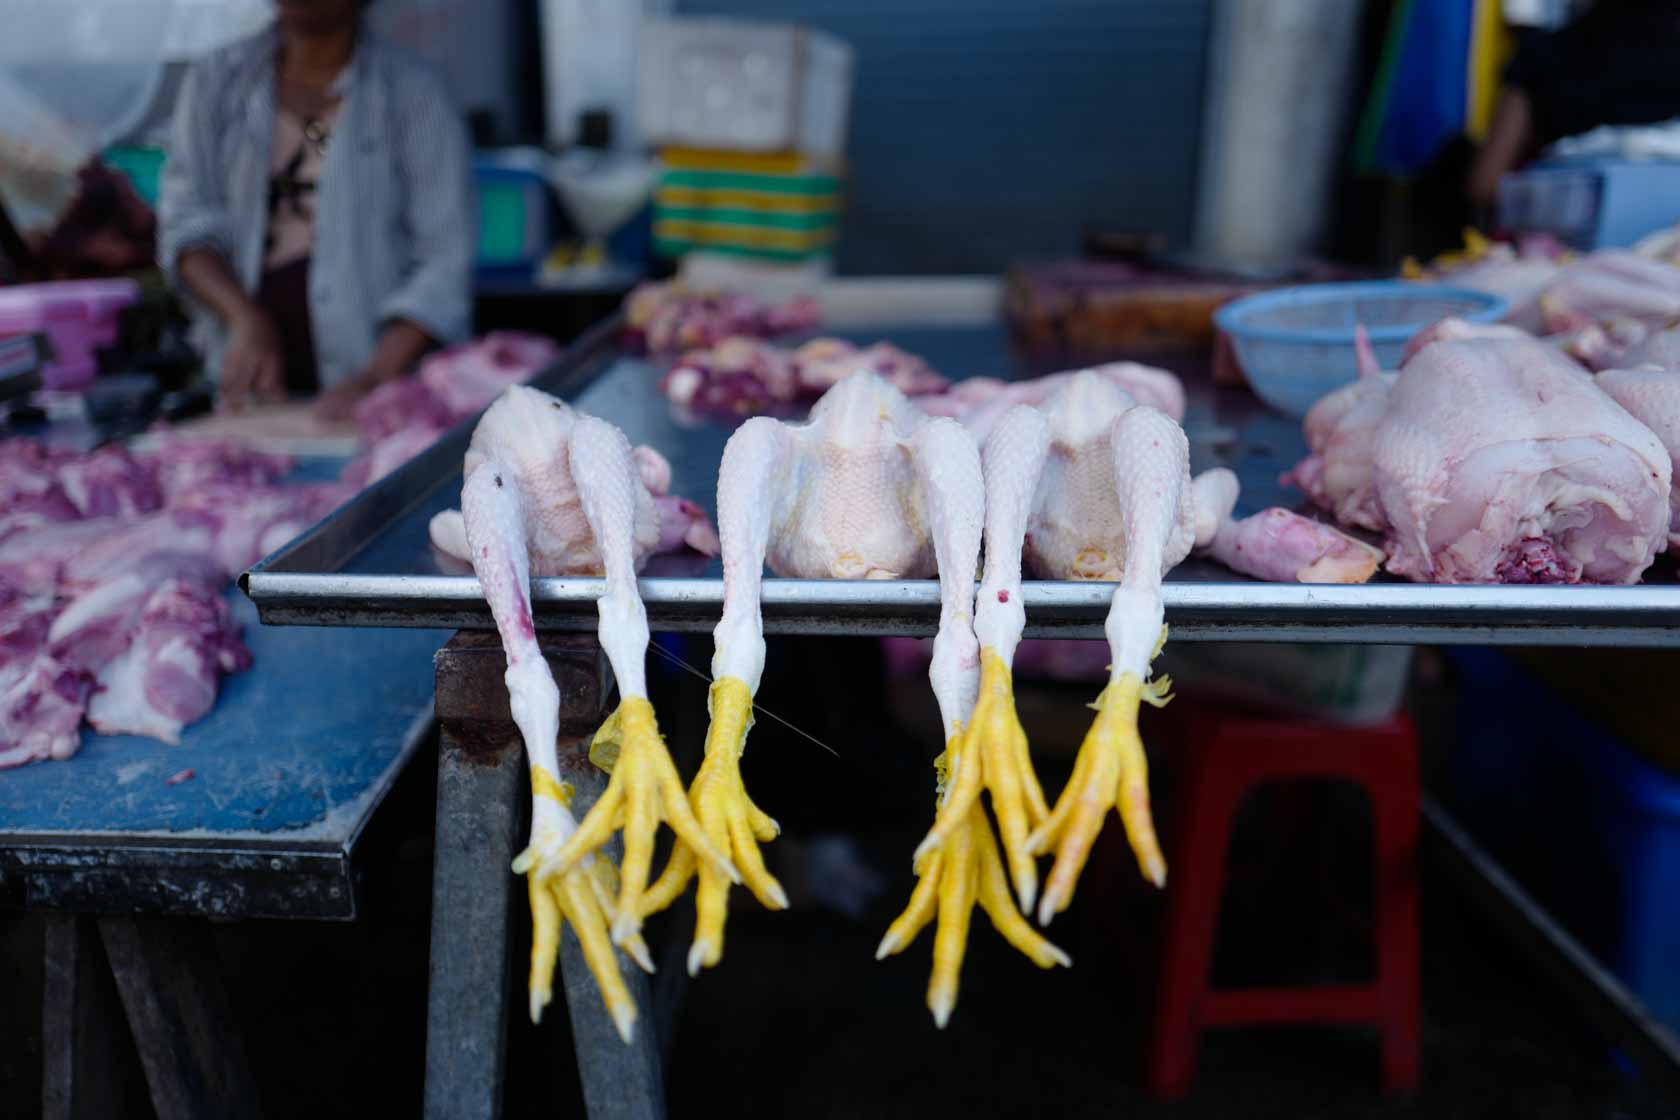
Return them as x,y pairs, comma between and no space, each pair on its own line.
300,746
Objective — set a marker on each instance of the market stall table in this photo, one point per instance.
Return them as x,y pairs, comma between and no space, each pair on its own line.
371,565
258,813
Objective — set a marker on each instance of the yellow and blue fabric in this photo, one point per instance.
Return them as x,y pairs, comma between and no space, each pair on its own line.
776,206
1438,78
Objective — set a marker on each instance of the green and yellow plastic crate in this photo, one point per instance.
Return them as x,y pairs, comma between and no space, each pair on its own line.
782,207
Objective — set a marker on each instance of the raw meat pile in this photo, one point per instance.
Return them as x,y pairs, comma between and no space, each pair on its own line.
1490,457
112,568
1664,245
1598,308
743,375
402,418
668,318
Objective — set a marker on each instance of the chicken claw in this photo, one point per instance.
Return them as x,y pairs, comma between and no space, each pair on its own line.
733,823
962,871
1111,770
992,753
584,895
644,783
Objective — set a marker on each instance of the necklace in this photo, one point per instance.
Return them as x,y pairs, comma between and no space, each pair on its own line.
317,134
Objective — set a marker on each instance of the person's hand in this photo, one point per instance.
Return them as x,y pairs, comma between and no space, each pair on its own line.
251,364
400,345
338,404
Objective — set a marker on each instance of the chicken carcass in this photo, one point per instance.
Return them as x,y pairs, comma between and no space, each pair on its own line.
979,402
1516,273
1651,395
1608,286
1490,457
1092,485
553,491
1660,349
867,488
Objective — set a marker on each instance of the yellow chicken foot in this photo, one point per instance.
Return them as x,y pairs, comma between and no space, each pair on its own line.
644,787
583,894
1111,771
732,822
992,753
965,869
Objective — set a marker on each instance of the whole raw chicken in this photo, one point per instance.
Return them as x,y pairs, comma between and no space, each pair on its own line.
553,491
1490,457
1093,485
1650,390
868,488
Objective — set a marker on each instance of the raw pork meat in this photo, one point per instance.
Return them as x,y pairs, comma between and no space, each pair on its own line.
184,639
668,318
402,418
743,375
112,567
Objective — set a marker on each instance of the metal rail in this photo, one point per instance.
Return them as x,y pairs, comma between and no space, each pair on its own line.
1389,613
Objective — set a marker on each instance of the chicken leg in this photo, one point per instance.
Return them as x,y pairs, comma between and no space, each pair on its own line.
548,485
992,750
868,488
758,455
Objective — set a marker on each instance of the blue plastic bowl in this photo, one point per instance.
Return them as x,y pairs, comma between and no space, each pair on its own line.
1296,344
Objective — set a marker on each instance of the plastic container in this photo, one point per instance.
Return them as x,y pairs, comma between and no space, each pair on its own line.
1297,344
1590,830
744,87
778,208
142,166
79,317
1592,203
514,230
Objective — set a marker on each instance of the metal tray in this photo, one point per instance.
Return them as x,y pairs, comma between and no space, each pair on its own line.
370,562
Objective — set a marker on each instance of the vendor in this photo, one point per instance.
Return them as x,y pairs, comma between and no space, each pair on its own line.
1616,65
317,205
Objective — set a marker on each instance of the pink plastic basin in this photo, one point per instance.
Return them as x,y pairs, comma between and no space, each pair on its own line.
79,316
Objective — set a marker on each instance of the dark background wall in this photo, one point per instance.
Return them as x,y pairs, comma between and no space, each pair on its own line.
987,130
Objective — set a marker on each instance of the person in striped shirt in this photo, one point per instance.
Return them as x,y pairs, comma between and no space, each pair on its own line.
316,207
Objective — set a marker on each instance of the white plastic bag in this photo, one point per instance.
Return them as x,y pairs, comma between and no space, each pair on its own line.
40,151
123,31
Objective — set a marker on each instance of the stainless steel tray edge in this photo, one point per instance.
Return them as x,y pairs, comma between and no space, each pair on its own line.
1234,611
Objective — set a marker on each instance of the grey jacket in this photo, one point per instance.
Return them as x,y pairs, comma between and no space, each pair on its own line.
395,223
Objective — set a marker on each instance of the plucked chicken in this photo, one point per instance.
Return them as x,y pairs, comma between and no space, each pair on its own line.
1090,485
868,488
1650,390
553,491
1490,457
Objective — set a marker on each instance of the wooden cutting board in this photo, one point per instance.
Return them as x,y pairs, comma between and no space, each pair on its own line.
288,429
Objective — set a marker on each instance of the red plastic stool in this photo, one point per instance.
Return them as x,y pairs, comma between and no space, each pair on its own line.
1226,757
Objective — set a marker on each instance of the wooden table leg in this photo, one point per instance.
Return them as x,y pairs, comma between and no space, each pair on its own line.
481,795
179,1014
83,1033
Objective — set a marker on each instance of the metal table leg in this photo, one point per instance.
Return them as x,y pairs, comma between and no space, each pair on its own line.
481,801
172,1004
620,1082
82,1025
